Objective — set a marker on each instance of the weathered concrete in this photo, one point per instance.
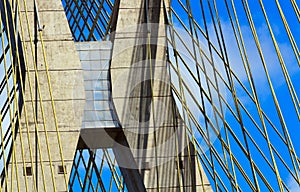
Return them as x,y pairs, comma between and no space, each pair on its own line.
68,94
144,103
154,132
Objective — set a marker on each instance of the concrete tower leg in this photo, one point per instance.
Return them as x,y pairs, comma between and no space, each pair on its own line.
143,101
68,94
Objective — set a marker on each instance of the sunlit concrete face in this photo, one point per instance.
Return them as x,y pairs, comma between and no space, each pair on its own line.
233,90
66,81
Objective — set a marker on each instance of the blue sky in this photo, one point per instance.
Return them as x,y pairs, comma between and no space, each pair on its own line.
260,80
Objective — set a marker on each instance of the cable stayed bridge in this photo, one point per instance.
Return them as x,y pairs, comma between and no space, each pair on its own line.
149,95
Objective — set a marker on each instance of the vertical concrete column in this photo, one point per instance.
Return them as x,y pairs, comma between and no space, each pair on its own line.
141,92
68,94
